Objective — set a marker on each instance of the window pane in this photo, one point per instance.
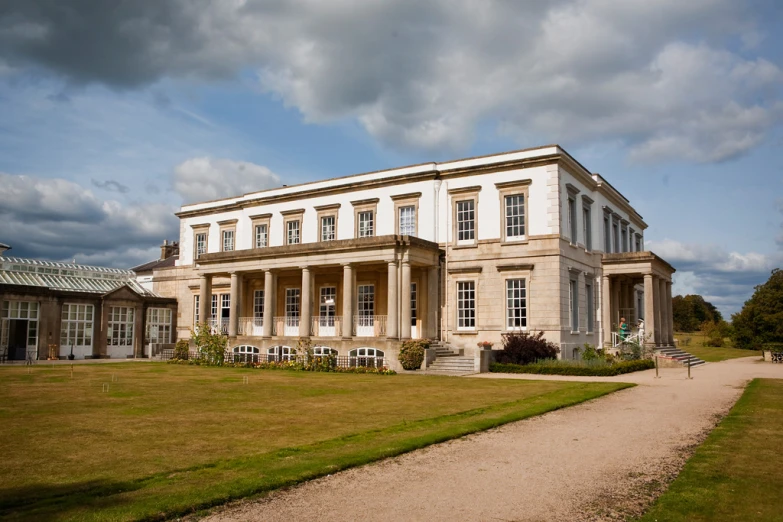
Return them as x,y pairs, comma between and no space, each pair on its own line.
465,220
515,216
408,221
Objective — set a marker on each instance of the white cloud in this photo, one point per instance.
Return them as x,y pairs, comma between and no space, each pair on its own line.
204,179
654,75
726,279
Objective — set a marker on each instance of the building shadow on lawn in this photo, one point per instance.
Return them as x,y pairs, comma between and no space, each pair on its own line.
33,500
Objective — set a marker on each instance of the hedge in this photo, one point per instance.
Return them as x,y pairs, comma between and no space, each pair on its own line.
597,371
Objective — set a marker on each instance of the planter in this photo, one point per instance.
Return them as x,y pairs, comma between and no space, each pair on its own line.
485,345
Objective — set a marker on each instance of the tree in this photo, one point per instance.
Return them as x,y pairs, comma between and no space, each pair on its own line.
761,319
691,311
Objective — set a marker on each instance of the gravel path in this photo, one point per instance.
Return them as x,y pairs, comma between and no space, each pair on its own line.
601,460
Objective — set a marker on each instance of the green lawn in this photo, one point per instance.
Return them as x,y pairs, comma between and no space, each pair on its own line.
693,343
169,439
736,474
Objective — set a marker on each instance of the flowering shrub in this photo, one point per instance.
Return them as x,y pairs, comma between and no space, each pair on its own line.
210,344
181,349
412,354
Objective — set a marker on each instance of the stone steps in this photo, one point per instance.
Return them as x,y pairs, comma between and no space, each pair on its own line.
452,364
681,356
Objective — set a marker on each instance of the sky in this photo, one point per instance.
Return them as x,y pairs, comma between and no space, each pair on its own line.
114,114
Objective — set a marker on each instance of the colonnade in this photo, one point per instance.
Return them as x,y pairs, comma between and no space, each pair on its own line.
619,296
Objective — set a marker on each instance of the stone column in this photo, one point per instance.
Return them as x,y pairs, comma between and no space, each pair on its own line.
205,298
233,312
606,309
392,304
432,303
663,313
405,298
347,301
649,309
269,300
656,311
306,304
615,303
669,312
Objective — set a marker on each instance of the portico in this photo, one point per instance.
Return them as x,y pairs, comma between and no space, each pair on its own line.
383,287
637,285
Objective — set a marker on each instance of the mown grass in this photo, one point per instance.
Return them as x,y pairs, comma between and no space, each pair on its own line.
694,343
736,474
166,440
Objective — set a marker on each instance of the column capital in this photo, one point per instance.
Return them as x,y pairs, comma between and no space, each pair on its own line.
304,268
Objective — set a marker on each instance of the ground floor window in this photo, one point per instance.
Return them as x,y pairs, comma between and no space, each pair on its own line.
18,327
258,308
280,353
516,304
589,298
158,326
245,353
371,357
196,309
323,351
466,305
76,326
292,306
120,326
573,304
414,301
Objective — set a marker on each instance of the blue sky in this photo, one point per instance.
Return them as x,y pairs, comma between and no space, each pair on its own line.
113,114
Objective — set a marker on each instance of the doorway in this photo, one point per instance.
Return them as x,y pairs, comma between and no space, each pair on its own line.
17,339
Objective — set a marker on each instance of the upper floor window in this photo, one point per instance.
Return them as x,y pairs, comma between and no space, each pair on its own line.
408,221
624,238
366,223
572,225
261,236
293,232
607,234
587,231
515,216
201,244
228,240
466,221
328,228
615,236
638,243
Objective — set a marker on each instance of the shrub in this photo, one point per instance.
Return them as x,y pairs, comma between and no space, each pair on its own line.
773,347
525,348
211,345
550,367
412,354
182,350
590,353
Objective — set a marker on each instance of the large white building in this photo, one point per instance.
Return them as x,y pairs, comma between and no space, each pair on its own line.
461,251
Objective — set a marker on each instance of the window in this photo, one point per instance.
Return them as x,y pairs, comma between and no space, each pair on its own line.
327,309
262,236
466,215
624,239
414,299
324,351
572,225
292,231
281,353
292,309
201,244
466,305
196,309
228,240
615,236
246,353
77,322
120,331
371,357
587,232
516,304
366,223
573,304
258,308
158,326
408,221
19,310
590,306
607,235
213,310
366,305
328,228
515,216
638,243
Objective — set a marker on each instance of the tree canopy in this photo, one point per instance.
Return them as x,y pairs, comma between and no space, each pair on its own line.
761,319
691,311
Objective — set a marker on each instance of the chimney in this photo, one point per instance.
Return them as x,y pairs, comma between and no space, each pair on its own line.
168,249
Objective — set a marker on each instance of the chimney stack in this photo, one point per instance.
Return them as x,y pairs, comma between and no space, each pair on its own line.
169,249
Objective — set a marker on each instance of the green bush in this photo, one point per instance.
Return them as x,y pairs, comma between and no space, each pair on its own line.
211,345
182,350
569,368
773,347
412,354
589,353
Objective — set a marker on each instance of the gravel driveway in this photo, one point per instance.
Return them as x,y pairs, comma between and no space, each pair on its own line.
601,460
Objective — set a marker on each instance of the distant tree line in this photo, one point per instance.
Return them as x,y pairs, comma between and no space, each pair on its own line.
760,322
692,311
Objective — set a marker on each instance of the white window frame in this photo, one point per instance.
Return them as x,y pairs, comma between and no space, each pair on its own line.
25,310
196,309
407,220
201,240
466,221
158,326
258,307
328,227
293,306
121,325
366,225
516,304
466,305
261,235
514,221
227,240
78,321
293,232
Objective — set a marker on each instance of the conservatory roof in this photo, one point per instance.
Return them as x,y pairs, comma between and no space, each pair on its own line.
67,276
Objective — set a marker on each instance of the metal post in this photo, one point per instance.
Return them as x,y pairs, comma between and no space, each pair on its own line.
689,368
656,368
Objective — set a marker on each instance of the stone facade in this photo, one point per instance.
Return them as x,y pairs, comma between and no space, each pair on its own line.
462,252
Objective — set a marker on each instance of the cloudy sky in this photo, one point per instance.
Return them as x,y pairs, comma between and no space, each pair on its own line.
113,114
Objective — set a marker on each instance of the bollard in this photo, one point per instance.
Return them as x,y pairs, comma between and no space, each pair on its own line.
656,368
689,368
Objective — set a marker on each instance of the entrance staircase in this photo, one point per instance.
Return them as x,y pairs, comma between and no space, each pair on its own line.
448,361
679,355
